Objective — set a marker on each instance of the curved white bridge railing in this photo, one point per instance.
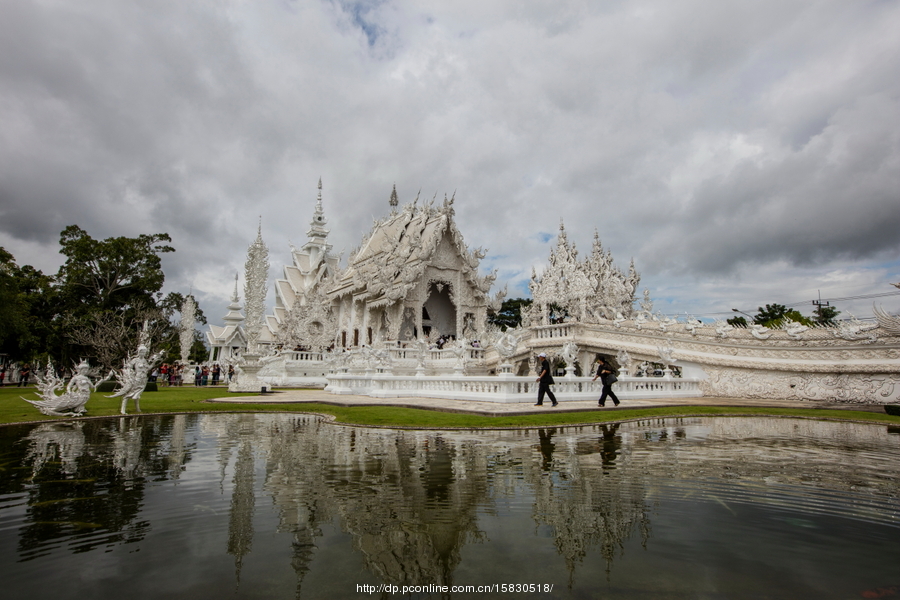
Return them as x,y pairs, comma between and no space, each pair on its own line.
504,389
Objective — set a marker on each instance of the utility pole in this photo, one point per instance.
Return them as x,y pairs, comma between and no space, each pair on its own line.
818,303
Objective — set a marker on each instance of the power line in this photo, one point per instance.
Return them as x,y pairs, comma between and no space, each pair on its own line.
843,299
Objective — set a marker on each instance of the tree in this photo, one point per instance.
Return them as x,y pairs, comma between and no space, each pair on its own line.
114,273
772,313
737,321
12,313
107,337
510,314
109,288
28,312
825,315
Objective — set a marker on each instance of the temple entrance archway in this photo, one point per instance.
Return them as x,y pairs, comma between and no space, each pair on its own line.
440,308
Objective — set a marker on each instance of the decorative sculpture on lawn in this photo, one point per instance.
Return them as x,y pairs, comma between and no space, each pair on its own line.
69,404
133,376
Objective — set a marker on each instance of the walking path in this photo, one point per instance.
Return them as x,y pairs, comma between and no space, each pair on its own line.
497,409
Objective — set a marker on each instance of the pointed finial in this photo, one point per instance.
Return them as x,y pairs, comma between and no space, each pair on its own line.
393,200
319,199
234,297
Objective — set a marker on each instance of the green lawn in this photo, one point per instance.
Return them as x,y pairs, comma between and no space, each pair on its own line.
191,399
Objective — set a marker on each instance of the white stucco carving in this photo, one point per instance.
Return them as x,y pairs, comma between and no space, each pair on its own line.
133,375
70,403
186,327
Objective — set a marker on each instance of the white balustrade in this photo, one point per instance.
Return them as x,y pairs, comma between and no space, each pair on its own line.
504,388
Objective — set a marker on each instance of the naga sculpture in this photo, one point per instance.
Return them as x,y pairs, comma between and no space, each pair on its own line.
69,404
887,321
794,329
723,328
760,332
856,330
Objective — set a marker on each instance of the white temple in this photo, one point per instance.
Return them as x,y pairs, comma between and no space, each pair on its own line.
373,327
228,341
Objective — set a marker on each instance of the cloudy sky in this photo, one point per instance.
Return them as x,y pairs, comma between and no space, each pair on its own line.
741,152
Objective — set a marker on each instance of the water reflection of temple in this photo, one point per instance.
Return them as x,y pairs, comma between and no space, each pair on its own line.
405,500
412,501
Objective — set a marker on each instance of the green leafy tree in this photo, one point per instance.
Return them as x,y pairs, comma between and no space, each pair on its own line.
114,273
12,311
28,313
774,315
110,287
510,314
825,315
738,321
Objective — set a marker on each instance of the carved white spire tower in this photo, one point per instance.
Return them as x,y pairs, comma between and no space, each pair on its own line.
186,331
317,248
256,275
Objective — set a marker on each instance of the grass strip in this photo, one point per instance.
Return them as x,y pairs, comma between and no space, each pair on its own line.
192,399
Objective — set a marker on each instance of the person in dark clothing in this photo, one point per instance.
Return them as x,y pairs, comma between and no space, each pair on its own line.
24,374
604,371
545,380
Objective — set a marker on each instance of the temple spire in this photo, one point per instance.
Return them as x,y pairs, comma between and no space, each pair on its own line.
393,200
317,232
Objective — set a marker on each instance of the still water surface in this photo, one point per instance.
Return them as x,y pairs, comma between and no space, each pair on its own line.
285,506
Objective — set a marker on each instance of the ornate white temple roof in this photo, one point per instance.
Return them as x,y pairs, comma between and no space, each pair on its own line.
392,258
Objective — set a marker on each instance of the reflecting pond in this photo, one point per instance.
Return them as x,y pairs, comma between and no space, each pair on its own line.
285,506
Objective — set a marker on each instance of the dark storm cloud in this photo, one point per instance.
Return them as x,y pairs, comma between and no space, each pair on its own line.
714,143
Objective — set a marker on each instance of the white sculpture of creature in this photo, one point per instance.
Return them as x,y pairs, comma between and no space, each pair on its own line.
856,330
421,345
507,344
667,353
794,329
760,332
570,353
647,303
69,404
624,360
640,320
619,319
134,377
665,322
461,351
723,328
885,320
692,324
377,356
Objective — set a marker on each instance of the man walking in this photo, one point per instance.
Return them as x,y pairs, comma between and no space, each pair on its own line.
607,378
545,380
